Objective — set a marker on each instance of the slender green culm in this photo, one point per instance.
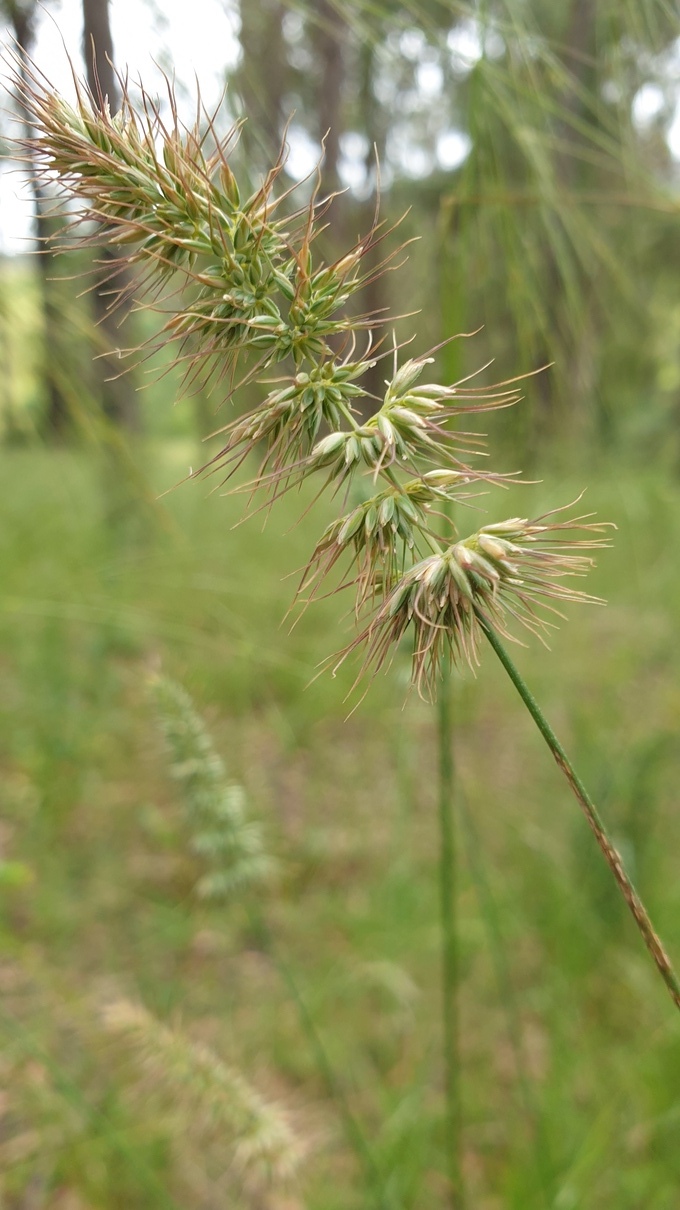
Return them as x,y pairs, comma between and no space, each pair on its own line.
595,822
450,959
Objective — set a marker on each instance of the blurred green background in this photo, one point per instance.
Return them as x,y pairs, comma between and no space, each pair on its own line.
535,148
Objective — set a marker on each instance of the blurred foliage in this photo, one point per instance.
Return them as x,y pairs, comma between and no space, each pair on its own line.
556,227
97,884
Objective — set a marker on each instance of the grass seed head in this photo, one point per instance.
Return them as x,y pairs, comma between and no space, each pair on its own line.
251,283
504,571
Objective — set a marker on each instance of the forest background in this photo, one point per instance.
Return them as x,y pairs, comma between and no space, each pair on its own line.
533,150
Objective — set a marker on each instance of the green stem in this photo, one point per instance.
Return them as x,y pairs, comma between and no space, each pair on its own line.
450,963
611,856
432,541
342,407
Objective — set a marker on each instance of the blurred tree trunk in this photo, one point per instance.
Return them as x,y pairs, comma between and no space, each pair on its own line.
98,51
579,57
330,37
119,400
577,54
22,18
374,296
262,78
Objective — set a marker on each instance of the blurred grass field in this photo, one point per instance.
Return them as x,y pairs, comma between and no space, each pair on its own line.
96,880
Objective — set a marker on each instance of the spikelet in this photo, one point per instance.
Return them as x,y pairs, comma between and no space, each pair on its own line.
515,567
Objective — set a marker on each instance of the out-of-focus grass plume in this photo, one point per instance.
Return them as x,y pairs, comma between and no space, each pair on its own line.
206,1097
222,836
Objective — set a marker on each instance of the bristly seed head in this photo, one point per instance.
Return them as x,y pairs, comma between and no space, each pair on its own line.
504,569
287,422
382,534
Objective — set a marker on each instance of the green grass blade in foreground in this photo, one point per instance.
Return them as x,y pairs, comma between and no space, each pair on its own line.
611,856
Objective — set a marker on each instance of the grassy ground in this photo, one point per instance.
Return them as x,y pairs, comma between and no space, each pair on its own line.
571,1050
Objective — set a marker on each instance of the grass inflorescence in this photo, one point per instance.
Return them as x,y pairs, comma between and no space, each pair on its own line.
227,841
246,292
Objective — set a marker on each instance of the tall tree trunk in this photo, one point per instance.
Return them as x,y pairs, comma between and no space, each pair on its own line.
578,56
119,400
373,297
57,412
262,79
329,38
98,52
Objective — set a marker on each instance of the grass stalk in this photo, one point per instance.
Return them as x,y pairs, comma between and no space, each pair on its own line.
595,822
449,936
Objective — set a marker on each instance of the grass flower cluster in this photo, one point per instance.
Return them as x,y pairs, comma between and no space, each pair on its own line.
246,292
500,570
